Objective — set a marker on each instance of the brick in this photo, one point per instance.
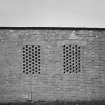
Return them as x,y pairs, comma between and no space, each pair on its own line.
52,82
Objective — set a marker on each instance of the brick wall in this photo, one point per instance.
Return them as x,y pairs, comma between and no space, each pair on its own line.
52,82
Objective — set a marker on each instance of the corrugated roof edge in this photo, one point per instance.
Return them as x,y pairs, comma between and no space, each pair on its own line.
51,28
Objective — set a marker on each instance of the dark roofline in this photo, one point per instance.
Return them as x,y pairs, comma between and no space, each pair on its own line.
51,28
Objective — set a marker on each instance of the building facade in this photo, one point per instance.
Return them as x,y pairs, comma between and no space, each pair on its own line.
52,63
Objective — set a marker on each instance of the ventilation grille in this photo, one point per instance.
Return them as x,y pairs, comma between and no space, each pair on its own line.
71,58
31,59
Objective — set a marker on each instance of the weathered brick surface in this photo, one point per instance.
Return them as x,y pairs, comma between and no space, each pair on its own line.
52,83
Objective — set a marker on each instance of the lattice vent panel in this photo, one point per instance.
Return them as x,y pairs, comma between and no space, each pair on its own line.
31,59
71,58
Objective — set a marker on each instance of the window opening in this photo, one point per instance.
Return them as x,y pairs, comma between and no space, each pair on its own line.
31,59
71,58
